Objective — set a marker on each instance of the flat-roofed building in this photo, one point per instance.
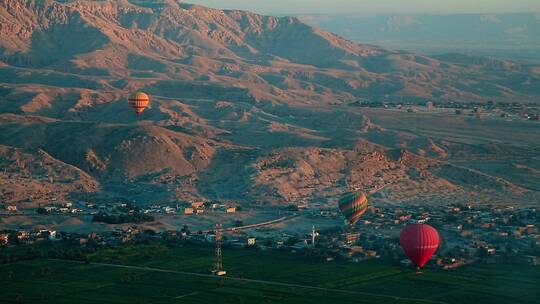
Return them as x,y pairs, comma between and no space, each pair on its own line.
197,205
4,238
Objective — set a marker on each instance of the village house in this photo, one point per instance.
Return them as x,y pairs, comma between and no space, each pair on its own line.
370,253
23,235
251,241
197,205
532,260
351,238
169,210
4,239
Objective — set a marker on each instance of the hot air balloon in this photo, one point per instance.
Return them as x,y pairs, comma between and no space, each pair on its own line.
138,101
419,241
353,205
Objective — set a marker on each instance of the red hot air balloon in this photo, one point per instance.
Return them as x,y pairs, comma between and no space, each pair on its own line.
419,241
138,101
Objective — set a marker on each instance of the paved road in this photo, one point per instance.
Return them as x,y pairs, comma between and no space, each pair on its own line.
273,283
262,224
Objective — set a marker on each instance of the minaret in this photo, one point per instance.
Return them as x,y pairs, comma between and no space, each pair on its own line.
313,235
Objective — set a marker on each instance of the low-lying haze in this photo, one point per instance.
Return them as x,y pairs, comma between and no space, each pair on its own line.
373,6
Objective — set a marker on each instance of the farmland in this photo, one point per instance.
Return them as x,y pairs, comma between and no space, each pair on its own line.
161,275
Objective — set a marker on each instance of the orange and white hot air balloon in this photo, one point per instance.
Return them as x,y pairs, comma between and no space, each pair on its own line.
138,101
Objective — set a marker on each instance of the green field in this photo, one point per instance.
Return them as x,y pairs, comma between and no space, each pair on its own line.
48,281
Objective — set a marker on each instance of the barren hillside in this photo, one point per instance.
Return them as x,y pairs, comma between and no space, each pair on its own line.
246,107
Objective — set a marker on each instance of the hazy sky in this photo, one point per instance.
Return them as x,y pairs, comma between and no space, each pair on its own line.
375,6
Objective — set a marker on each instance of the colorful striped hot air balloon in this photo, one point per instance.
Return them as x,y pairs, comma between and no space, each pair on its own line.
138,101
419,242
353,205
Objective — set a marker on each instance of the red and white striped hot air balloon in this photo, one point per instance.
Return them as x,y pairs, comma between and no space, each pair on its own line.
138,101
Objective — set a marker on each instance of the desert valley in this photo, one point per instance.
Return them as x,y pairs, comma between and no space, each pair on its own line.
253,120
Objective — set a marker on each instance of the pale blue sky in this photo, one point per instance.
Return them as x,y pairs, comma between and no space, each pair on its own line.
375,6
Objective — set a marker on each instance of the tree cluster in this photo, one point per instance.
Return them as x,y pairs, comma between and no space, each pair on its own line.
122,218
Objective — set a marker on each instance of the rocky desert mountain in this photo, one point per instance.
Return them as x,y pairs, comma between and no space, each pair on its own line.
251,108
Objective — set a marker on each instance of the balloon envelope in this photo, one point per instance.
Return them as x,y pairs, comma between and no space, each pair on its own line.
138,101
419,241
353,205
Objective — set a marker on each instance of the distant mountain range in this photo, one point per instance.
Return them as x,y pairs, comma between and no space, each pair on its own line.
515,36
173,48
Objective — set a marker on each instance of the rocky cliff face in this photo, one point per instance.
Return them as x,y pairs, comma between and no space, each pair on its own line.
244,106
274,59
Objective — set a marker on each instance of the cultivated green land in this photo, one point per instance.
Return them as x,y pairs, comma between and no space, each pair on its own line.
47,281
